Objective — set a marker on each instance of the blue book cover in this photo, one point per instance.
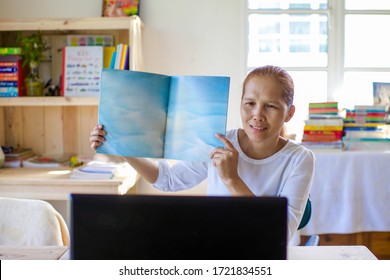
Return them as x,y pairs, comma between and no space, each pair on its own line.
158,116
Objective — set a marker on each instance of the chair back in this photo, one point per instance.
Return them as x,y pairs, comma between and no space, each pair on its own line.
29,222
306,215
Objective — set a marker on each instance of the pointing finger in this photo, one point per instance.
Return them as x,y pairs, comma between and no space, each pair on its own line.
228,144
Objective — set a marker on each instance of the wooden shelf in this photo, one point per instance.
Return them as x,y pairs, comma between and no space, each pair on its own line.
49,101
97,23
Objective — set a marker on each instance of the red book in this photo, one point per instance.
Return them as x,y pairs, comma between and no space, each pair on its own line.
320,138
323,132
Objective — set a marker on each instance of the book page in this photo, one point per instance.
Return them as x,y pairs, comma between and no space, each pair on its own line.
132,108
197,110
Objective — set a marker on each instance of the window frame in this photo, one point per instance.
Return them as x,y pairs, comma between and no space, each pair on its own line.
335,68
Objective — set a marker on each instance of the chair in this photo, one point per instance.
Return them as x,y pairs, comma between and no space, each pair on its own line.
313,239
306,215
29,222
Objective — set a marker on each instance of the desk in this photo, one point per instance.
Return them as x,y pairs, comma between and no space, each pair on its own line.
33,253
350,193
293,252
330,253
55,184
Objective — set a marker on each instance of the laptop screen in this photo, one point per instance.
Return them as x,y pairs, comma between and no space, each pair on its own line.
148,227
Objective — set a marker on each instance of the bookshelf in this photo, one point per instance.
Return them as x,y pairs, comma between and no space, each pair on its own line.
60,125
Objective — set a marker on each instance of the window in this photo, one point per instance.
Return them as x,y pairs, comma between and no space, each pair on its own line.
333,49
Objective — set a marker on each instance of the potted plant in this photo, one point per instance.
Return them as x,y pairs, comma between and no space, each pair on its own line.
33,47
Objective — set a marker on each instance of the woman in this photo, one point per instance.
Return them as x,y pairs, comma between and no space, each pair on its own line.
255,160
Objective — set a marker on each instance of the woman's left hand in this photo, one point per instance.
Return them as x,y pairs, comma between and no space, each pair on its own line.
225,160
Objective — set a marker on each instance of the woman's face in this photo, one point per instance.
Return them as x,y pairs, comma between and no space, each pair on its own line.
264,109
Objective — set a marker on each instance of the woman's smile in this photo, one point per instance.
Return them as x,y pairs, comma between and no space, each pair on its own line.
258,128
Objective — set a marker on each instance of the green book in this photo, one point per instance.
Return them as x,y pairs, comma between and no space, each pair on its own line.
323,105
10,51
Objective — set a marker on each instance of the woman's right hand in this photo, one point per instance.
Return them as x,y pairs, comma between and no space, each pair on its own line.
97,136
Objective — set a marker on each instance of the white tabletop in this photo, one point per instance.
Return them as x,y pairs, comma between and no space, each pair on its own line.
329,253
293,253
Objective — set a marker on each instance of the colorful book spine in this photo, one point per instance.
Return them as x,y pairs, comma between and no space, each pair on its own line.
11,76
365,116
125,58
336,133
323,127
323,122
328,108
107,56
10,51
323,104
363,124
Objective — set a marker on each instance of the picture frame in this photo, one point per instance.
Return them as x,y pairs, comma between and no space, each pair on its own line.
120,8
381,95
381,92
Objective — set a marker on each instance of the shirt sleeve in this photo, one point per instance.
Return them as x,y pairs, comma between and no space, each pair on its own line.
183,175
297,190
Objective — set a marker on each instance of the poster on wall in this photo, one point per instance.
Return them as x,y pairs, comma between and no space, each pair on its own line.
120,8
81,70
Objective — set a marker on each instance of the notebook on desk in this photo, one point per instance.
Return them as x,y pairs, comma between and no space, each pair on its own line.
147,227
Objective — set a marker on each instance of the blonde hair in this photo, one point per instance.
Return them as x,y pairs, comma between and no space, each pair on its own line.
278,74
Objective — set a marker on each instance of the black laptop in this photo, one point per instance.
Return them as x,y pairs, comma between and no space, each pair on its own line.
148,227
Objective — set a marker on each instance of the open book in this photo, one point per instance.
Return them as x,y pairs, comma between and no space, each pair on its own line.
158,116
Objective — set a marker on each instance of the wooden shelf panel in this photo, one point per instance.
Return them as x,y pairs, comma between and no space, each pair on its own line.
97,23
50,101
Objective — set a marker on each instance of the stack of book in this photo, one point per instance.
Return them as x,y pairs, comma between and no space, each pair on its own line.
323,129
323,109
11,72
99,170
365,128
15,157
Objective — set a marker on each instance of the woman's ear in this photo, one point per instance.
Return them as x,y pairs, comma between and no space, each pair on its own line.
290,114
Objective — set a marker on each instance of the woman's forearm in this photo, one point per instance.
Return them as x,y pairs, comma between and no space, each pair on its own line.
147,168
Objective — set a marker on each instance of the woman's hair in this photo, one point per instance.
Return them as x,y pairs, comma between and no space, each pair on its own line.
280,75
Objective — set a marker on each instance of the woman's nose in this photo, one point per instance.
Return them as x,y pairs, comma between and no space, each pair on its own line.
258,114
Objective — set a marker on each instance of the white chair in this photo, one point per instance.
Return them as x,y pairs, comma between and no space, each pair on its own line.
30,222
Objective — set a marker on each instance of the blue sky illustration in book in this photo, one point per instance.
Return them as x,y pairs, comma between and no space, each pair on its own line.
142,111
197,110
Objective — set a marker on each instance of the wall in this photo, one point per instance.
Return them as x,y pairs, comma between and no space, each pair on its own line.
50,8
180,37
207,37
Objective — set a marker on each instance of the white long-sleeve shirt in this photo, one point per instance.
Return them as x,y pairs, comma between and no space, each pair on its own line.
288,173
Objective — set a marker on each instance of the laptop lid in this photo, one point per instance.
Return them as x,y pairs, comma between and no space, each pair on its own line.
147,227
